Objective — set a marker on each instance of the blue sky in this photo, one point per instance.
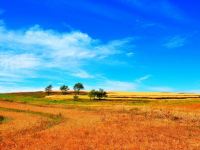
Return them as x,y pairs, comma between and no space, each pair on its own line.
129,45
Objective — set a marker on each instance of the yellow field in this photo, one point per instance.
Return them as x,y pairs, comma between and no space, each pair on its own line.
128,95
139,121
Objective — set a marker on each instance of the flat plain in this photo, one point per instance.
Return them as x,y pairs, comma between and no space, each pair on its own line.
124,120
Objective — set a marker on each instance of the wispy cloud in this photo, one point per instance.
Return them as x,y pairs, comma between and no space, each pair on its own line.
14,62
82,74
130,54
115,85
175,42
30,52
15,88
161,7
119,85
51,44
141,79
160,89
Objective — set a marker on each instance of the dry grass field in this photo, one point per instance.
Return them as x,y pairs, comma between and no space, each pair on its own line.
124,120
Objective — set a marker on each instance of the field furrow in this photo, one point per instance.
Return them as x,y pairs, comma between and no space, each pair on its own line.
100,125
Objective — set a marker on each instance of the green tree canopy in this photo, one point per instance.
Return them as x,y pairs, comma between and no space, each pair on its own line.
78,87
99,94
92,94
64,89
48,89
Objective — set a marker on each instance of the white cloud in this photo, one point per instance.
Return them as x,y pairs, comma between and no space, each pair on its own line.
113,85
50,43
175,42
160,89
82,74
163,7
141,79
18,61
14,88
117,85
130,54
29,51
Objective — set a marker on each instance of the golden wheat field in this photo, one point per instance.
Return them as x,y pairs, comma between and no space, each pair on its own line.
124,120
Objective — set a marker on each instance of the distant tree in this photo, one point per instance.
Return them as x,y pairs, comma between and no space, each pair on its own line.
100,94
92,94
48,89
64,89
78,87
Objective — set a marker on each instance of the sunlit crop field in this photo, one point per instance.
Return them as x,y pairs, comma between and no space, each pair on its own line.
124,120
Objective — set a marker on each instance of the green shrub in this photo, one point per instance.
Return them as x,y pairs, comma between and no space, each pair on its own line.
1,119
76,97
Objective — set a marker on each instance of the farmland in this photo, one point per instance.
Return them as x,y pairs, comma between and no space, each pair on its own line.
124,120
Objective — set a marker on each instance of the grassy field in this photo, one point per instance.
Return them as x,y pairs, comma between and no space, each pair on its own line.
124,120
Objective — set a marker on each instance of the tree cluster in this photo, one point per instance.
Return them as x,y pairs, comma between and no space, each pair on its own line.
97,94
64,88
93,94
